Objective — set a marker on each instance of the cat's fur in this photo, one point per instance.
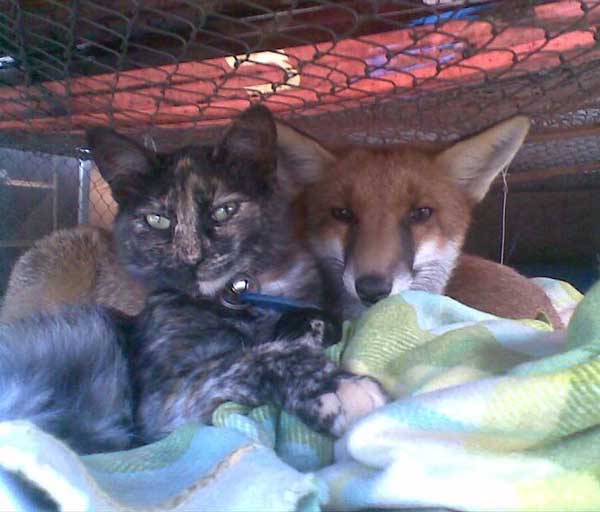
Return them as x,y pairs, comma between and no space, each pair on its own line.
102,382
187,352
179,379
68,374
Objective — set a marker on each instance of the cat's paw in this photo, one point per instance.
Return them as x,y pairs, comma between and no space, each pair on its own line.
353,398
310,325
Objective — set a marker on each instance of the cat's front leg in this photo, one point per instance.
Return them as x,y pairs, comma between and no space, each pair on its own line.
325,397
292,372
296,375
351,397
311,324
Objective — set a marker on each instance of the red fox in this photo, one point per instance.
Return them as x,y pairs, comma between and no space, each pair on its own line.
386,219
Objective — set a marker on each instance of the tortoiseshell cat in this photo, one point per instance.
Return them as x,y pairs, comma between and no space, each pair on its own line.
198,254
189,223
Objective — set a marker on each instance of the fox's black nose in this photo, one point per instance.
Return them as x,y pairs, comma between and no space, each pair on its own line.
372,288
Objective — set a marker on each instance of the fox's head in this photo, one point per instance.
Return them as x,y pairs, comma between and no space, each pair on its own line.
387,219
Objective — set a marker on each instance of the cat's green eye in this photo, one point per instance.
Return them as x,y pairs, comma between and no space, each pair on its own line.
225,211
158,221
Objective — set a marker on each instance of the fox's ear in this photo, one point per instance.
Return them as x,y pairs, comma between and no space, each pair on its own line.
301,160
251,137
122,162
475,162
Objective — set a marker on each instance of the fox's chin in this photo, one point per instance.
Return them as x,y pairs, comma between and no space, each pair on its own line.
430,279
401,284
353,308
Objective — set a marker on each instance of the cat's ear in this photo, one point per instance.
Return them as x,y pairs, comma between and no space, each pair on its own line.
251,137
301,160
122,162
475,162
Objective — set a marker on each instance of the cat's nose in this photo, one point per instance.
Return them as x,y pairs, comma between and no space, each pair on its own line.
190,255
186,245
372,288
192,258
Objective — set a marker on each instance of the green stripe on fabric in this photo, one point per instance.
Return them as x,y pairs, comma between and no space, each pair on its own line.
146,458
302,447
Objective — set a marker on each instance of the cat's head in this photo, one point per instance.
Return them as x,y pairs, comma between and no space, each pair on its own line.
195,218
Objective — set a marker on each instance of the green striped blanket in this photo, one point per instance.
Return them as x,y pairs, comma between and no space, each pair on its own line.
488,414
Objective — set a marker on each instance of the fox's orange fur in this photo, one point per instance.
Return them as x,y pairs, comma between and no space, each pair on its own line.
386,219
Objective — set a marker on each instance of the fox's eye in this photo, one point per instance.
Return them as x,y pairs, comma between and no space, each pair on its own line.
420,215
225,211
343,215
158,221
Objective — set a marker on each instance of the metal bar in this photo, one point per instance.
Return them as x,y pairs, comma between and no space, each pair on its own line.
26,184
54,199
83,202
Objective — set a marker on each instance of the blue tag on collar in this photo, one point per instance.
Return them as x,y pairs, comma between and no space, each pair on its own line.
273,302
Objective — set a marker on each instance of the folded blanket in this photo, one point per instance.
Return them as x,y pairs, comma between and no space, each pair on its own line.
488,414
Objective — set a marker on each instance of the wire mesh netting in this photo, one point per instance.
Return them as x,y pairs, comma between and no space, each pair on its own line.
170,71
